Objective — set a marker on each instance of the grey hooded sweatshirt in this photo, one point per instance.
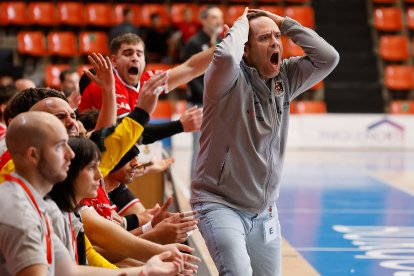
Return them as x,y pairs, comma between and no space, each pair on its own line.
245,124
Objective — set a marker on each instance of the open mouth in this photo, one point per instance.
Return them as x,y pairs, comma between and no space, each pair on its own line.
274,59
133,70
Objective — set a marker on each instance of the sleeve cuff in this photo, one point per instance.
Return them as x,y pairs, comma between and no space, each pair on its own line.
139,115
132,222
178,125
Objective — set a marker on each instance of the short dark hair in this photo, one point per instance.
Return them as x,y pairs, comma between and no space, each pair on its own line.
25,99
63,193
89,119
128,38
154,15
7,92
255,15
126,11
63,74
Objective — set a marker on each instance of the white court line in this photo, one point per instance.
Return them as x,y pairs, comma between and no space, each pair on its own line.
347,211
394,181
327,249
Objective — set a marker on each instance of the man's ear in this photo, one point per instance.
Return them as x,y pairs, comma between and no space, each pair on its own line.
246,50
33,155
113,60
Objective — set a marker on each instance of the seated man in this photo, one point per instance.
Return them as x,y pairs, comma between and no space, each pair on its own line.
37,143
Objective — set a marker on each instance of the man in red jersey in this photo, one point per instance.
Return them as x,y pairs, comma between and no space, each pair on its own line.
128,60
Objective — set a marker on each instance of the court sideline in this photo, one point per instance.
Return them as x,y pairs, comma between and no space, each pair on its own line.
341,212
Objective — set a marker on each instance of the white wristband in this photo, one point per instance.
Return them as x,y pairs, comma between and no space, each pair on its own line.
146,227
124,222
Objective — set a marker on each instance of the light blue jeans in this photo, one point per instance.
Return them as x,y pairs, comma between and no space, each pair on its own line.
236,240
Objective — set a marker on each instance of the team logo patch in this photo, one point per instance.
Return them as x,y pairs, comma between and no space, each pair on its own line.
278,88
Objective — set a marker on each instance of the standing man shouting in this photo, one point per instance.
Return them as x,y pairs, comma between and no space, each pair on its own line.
247,92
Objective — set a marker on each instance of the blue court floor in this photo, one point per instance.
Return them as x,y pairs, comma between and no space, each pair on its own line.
342,218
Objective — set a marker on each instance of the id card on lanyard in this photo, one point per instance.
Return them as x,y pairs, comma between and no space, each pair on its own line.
49,255
270,228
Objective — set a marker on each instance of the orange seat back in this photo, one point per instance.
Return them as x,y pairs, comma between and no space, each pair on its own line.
71,13
399,77
62,44
303,14
42,13
52,73
93,42
99,14
290,49
402,107
148,9
394,47
31,43
310,107
13,13
388,19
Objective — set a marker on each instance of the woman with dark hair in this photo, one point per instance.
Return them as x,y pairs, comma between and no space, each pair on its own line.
82,181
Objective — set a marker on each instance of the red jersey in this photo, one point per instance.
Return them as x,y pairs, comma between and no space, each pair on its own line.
100,203
126,95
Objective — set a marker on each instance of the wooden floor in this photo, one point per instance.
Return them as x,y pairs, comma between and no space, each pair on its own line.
343,213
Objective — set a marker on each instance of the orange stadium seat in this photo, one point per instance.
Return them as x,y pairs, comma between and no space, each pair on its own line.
402,107
303,14
408,1
317,86
82,67
118,13
42,13
292,108
177,12
232,13
148,9
31,43
99,14
310,107
290,49
93,42
399,77
388,19
71,13
394,47
279,10
13,13
158,66
62,44
3,14
180,106
163,110
52,72
410,18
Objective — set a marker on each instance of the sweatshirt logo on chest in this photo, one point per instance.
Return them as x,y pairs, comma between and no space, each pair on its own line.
278,88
